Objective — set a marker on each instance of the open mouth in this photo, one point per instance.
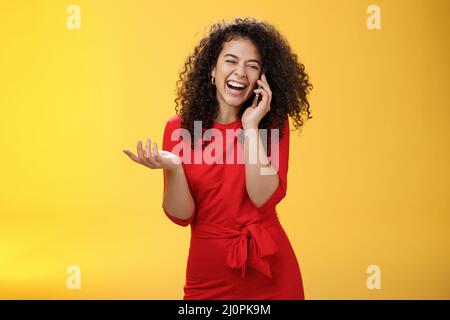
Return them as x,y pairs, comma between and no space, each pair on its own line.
236,88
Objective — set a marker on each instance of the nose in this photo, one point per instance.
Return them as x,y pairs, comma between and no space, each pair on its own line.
240,71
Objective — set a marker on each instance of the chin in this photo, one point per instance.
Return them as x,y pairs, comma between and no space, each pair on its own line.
235,102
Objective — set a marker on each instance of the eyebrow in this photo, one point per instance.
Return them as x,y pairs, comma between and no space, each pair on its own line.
250,60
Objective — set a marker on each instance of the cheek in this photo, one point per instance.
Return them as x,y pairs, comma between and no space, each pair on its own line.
253,80
224,70
221,76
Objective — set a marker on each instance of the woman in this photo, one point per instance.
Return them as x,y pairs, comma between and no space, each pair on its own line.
238,248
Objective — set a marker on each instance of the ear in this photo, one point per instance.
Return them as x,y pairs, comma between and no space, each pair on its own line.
213,72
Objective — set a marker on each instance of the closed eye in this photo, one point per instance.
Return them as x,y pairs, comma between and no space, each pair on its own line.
254,67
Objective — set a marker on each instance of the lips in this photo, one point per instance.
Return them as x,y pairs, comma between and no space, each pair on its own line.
231,88
234,92
236,83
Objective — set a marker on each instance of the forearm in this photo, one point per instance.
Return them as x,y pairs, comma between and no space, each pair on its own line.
259,186
177,199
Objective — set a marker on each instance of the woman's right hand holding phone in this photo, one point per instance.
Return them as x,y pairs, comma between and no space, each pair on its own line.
154,159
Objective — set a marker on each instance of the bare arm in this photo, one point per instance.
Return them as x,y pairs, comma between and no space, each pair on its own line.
260,187
177,198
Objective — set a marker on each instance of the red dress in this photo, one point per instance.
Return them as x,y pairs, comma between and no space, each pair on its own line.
237,251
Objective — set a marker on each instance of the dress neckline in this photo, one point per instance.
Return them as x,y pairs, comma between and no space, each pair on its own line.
227,125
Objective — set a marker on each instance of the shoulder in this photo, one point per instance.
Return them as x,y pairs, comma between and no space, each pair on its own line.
174,122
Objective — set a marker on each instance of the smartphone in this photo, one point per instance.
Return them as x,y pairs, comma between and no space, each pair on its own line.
259,96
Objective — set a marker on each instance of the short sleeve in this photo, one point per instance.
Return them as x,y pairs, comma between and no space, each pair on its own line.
280,161
168,145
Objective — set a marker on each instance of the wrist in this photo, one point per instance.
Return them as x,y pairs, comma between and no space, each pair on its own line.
174,170
250,126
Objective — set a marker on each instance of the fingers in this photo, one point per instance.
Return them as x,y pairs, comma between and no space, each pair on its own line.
155,151
140,152
265,97
266,90
255,101
149,157
131,155
263,83
142,156
147,149
145,157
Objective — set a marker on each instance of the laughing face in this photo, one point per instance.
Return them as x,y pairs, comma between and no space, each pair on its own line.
238,67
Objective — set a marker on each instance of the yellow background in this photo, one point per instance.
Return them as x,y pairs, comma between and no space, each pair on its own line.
368,177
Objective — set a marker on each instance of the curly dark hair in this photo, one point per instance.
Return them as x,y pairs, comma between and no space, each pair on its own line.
286,76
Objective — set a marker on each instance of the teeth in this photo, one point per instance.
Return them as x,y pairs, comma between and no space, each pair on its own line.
236,84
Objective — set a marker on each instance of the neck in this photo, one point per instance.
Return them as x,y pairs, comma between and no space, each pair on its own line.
227,114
